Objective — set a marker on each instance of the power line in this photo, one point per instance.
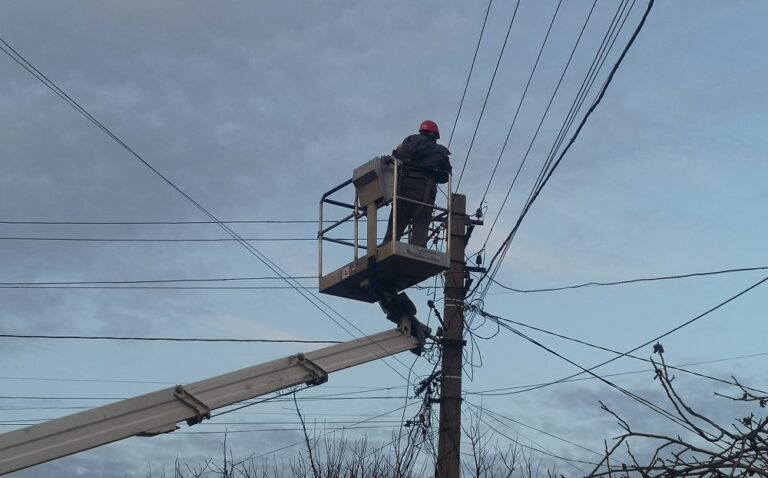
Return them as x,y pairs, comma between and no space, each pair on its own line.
307,399
217,423
643,401
280,399
107,287
595,67
644,344
591,74
25,408
86,380
276,398
167,223
488,94
309,296
586,85
166,382
492,392
253,430
333,431
259,430
324,396
488,392
523,96
628,281
153,281
132,283
505,245
484,409
597,101
142,285
538,450
158,239
607,349
544,115
469,75
165,339
541,449
378,425
614,29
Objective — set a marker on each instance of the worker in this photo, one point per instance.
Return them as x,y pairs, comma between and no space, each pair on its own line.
425,164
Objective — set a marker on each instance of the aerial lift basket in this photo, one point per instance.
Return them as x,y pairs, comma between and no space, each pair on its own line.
394,265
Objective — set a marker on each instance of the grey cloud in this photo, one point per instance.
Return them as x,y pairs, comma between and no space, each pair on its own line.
256,109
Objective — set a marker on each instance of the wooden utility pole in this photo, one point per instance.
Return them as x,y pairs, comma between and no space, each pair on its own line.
448,450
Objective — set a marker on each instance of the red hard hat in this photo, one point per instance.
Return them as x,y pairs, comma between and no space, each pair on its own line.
429,126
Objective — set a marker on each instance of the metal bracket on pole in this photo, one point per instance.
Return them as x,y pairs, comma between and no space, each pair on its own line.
321,376
202,411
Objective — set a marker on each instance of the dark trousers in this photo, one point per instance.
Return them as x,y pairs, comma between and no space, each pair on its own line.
419,188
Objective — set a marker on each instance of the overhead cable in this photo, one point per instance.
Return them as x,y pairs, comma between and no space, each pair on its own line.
606,46
158,287
648,342
488,94
313,299
469,75
484,409
643,401
165,339
523,96
159,239
154,281
628,281
505,245
492,392
332,431
165,223
538,450
610,350
586,85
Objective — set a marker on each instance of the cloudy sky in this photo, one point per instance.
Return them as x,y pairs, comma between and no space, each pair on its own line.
255,109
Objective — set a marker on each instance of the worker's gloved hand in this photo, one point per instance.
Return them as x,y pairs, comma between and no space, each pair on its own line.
388,159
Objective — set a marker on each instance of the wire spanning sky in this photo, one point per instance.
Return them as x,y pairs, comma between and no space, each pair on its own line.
255,110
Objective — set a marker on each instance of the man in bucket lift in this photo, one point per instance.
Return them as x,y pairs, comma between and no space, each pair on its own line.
425,165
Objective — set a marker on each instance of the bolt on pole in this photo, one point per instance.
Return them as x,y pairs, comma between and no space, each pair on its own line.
448,450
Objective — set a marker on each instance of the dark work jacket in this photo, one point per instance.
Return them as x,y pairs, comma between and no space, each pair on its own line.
421,153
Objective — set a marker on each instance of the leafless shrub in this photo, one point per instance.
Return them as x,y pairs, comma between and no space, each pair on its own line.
711,450
410,453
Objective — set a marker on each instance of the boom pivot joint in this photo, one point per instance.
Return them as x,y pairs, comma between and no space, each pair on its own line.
320,375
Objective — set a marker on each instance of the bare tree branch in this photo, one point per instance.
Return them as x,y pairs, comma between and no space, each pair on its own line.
711,451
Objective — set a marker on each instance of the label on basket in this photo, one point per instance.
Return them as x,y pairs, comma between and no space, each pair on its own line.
424,254
345,272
